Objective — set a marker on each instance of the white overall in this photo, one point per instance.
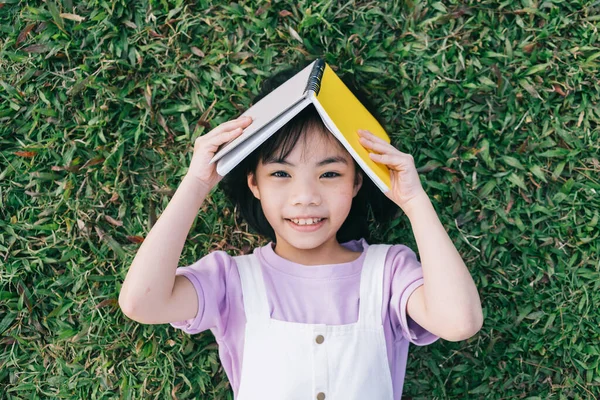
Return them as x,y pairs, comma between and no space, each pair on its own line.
295,361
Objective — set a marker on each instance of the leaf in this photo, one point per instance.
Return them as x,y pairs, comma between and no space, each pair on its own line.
517,180
27,154
56,15
92,162
558,90
148,96
558,170
487,81
483,388
294,34
513,162
554,153
529,88
173,13
36,48
237,70
581,364
41,27
592,57
79,86
163,123
190,75
537,68
433,68
72,17
6,321
528,48
23,34
112,243
66,333
487,188
10,89
113,221
440,7
107,302
197,51
135,239
154,34
537,171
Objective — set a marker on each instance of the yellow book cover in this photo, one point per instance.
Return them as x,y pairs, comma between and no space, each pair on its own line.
349,115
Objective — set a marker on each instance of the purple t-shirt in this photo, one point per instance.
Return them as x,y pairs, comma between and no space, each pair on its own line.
316,294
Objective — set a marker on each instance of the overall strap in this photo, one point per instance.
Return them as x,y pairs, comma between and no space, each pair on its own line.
256,305
371,286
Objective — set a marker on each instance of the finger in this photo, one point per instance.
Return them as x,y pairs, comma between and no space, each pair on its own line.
236,123
387,159
378,146
231,125
371,136
225,137
213,142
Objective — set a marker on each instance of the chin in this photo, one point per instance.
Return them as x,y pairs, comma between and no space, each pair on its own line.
306,243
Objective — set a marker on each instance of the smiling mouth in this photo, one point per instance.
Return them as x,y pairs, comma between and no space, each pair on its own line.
305,221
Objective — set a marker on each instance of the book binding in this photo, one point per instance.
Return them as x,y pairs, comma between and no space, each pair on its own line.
314,80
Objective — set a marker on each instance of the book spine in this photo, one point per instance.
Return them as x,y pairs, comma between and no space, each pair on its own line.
314,80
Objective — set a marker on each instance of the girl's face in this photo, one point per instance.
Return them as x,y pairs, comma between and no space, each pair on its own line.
307,196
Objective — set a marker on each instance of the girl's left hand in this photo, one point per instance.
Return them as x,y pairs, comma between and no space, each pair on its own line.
406,185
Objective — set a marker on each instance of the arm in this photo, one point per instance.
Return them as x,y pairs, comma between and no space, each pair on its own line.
448,303
151,292
147,291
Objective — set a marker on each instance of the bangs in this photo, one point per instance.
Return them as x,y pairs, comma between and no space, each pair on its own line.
281,144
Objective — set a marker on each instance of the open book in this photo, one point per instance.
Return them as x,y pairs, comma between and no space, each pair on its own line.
342,113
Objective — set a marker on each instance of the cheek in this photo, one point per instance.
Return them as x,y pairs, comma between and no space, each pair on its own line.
343,198
269,206
346,189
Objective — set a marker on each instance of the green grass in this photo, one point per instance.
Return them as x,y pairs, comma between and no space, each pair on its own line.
498,103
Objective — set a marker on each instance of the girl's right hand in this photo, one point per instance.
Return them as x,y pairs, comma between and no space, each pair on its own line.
207,145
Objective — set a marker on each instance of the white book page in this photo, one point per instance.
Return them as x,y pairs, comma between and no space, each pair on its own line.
230,160
270,107
335,131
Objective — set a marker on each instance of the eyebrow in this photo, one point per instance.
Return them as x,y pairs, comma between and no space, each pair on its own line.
329,160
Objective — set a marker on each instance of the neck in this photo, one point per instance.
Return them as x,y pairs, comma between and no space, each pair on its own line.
327,253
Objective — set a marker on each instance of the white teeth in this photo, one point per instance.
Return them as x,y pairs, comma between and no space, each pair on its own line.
309,221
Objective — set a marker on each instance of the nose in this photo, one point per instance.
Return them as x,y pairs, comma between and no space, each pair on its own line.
305,192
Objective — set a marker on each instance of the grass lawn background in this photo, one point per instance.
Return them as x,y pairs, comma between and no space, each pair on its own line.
100,102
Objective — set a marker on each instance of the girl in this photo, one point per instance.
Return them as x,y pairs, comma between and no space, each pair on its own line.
319,312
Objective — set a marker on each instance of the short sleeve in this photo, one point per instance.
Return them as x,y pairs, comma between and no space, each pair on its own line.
406,277
209,276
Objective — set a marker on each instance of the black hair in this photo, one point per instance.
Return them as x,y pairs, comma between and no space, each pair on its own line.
369,203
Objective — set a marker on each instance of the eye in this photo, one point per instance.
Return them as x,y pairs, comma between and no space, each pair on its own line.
279,174
330,175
